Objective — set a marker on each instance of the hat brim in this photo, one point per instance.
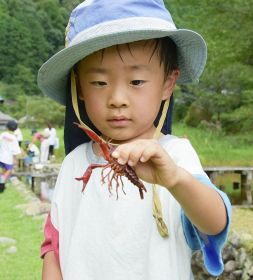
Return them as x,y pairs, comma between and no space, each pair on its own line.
192,52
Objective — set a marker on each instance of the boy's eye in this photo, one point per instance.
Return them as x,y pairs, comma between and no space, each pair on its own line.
99,83
137,82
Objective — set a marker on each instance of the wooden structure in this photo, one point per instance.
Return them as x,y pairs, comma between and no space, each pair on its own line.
36,177
245,173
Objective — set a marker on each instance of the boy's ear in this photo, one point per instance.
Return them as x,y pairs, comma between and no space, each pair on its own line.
170,83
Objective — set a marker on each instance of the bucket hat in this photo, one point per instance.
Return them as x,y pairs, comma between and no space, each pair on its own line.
98,24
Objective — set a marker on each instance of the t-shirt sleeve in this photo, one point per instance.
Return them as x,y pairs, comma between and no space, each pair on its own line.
210,245
51,239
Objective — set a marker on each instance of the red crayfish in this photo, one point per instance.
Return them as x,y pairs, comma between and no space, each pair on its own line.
117,170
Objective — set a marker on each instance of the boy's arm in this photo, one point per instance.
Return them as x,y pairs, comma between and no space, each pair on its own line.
201,203
51,268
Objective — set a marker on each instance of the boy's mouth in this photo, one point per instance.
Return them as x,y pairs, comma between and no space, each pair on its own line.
119,121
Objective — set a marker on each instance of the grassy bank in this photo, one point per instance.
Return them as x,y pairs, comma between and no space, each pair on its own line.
214,148
25,264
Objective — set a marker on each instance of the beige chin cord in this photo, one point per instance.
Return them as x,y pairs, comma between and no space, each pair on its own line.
157,207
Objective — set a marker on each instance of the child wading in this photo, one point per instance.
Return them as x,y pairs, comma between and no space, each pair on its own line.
116,76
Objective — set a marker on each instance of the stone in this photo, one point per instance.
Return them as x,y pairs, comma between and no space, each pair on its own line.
7,241
242,257
235,240
228,253
37,208
11,250
230,266
237,274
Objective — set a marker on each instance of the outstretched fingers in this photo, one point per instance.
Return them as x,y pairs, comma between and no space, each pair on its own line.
138,151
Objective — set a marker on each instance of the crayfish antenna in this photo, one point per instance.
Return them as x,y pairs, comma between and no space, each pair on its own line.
93,136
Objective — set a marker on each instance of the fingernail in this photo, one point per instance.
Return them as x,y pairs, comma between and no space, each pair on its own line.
121,161
142,159
115,154
130,163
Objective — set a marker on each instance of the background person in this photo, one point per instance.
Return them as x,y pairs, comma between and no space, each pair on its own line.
43,138
18,133
32,153
9,148
52,140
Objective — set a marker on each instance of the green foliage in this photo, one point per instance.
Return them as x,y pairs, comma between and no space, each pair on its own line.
33,30
195,114
215,148
40,111
30,110
28,40
241,120
226,27
23,41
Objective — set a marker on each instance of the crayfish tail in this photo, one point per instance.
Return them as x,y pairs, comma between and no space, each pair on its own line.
141,189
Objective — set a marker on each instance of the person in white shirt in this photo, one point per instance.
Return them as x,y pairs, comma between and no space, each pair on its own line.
19,135
9,148
51,131
43,138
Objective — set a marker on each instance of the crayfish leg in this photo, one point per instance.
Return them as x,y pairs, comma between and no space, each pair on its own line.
84,184
122,185
86,176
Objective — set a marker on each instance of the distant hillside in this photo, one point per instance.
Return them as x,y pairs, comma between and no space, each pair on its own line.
32,30
227,27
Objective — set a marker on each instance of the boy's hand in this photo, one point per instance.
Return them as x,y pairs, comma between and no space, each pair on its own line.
153,164
150,161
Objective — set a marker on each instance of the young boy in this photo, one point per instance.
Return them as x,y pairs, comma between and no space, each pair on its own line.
122,61
9,147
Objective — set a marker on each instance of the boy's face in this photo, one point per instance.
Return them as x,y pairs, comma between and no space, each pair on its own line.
122,88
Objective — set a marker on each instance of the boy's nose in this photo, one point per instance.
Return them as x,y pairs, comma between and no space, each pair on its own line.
118,98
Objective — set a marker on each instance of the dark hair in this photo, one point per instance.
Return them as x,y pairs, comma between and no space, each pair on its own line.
168,54
166,50
33,131
12,125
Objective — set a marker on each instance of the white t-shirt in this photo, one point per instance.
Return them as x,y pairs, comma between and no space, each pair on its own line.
52,135
102,237
18,134
8,147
